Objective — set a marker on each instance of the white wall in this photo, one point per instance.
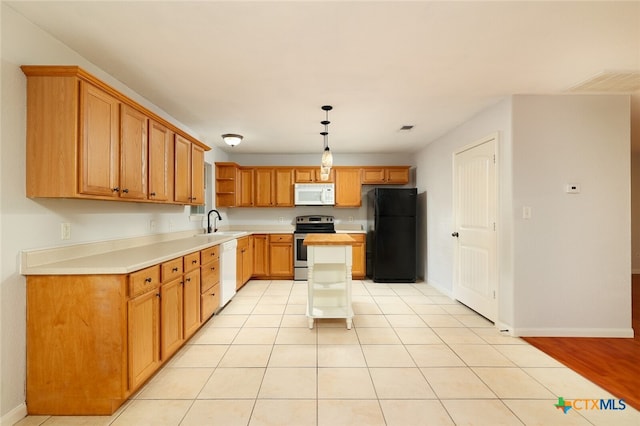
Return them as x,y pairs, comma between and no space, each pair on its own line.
434,175
566,271
572,264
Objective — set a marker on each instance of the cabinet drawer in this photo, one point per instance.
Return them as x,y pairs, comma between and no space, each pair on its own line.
209,303
171,269
209,275
209,255
191,261
144,280
281,238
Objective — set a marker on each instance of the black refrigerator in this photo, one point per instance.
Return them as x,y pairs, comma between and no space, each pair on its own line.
391,235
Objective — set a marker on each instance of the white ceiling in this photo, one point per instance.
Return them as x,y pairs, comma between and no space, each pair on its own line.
263,69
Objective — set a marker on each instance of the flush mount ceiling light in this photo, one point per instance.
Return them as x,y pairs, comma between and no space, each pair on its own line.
232,139
327,158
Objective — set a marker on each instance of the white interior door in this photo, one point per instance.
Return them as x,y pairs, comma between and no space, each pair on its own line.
474,210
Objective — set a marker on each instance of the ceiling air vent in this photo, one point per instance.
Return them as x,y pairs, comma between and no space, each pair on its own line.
406,127
611,81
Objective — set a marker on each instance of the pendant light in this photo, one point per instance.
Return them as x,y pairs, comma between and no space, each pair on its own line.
327,157
232,139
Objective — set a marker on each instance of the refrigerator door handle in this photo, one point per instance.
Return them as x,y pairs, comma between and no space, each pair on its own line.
455,234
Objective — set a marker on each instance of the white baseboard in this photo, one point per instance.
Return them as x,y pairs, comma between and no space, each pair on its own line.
14,416
573,332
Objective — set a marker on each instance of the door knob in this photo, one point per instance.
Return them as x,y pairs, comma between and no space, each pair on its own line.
455,234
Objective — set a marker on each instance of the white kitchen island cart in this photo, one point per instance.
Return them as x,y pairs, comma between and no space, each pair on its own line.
329,260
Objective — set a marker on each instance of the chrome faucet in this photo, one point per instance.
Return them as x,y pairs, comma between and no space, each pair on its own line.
215,229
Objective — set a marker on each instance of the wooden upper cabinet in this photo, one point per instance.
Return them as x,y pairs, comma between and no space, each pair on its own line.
87,140
348,187
385,175
197,175
99,144
244,197
311,175
283,189
160,162
189,172
263,187
133,153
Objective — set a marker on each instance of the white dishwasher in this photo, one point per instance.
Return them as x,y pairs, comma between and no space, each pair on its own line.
227,271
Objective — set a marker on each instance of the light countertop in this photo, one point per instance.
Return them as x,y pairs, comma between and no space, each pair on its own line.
328,240
128,255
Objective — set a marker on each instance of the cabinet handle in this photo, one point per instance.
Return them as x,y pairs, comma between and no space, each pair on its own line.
153,194
194,262
182,283
126,191
116,189
188,280
174,270
213,294
158,295
213,268
147,280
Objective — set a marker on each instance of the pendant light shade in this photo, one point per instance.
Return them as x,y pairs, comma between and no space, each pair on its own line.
232,139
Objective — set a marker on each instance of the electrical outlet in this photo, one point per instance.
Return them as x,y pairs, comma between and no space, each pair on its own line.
350,218
65,231
152,225
281,219
170,225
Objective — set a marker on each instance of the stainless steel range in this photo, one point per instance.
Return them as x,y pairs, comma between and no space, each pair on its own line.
311,224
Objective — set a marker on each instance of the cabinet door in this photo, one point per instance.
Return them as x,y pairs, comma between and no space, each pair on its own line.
306,175
210,301
182,186
133,153
358,267
100,142
263,184
191,303
245,198
373,175
260,255
197,175
143,337
171,335
247,262
281,255
160,162
397,175
348,187
284,187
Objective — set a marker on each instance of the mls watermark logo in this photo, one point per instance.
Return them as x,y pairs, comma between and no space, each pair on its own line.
590,404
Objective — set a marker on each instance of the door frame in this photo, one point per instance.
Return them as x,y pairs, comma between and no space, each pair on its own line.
495,137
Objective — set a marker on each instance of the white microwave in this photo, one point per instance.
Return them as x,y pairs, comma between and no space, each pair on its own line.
314,194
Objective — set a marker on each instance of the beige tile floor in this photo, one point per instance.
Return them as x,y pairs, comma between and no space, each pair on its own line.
413,357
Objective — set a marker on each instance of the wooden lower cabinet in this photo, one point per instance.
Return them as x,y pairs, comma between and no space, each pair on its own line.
359,267
244,261
171,312
191,303
281,256
93,340
260,256
209,282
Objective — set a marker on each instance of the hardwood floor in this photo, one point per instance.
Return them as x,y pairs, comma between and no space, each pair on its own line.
613,364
